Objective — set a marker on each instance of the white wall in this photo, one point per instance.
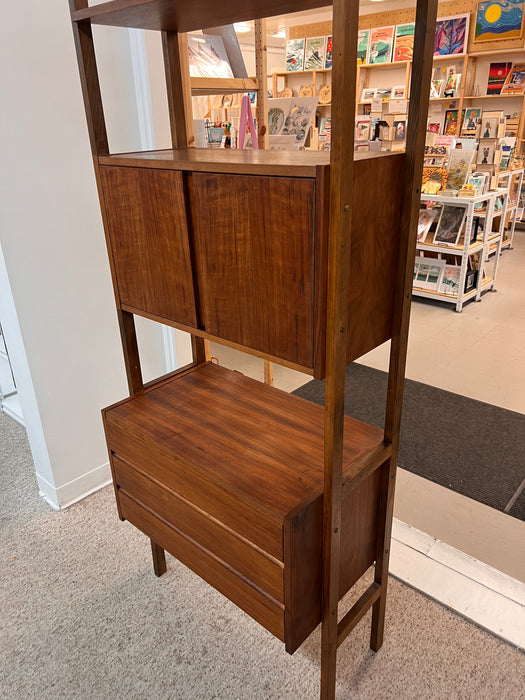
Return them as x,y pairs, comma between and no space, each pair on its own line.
52,240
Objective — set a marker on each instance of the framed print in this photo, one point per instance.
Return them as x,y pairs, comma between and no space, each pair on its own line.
404,42
398,92
363,39
314,53
449,225
381,42
400,127
451,35
295,54
499,19
384,93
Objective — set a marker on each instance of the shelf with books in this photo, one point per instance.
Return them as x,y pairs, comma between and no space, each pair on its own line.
453,265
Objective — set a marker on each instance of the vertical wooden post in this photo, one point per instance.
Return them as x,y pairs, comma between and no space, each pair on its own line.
346,17
176,66
96,123
417,117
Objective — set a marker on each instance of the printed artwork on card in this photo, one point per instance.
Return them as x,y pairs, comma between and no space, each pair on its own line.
451,35
458,167
515,81
428,272
499,19
404,42
362,128
471,121
398,92
207,57
314,53
400,126
449,225
452,85
434,180
489,127
450,280
497,75
290,117
384,93
436,86
328,53
381,41
295,54
363,39
485,153
426,217
451,122
368,94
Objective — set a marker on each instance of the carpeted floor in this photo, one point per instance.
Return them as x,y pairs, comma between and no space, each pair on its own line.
473,448
84,617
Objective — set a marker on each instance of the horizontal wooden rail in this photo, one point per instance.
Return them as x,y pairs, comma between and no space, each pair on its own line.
357,612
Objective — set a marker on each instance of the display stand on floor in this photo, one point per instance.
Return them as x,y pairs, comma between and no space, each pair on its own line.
279,504
478,241
513,181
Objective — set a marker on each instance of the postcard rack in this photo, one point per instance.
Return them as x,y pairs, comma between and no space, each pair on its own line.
279,504
481,235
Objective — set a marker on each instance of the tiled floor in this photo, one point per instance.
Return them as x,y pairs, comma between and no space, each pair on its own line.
479,353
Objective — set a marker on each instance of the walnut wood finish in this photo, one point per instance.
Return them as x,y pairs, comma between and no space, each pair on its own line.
148,233
184,16
426,13
246,490
260,264
346,19
254,254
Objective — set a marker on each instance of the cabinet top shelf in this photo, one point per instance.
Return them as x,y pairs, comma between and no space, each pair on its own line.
253,162
187,16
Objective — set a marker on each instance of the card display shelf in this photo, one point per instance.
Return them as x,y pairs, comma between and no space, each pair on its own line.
221,86
279,504
490,238
513,181
318,79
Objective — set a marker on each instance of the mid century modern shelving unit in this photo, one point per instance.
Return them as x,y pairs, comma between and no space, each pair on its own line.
280,504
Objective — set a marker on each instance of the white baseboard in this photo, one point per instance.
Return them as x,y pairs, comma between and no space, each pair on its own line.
487,597
73,491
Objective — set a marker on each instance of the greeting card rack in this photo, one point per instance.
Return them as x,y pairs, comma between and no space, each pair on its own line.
279,504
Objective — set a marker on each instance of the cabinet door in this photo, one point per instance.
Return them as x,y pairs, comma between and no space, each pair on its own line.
148,240
254,248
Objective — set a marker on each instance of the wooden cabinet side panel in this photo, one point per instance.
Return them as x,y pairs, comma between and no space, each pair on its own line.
302,551
148,233
253,238
376,238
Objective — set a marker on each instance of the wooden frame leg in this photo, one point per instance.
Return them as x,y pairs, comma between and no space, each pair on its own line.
384,533
159,559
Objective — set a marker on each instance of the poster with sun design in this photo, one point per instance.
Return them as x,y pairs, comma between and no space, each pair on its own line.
499,19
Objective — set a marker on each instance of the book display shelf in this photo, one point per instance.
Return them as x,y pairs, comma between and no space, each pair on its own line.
279,504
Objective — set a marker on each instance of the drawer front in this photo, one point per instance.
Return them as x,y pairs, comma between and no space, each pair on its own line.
250,562
260,607
265,532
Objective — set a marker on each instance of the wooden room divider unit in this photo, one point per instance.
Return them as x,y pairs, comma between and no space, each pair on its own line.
302,258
